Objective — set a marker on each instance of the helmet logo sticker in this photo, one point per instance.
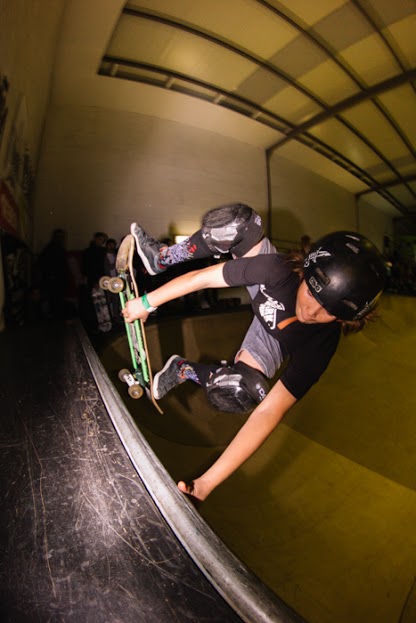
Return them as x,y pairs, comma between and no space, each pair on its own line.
315,285
315,255
268,309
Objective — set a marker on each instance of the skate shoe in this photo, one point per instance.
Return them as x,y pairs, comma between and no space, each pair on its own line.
168,377
148,249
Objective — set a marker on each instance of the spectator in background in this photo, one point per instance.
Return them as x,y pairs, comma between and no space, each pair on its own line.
110,257
93,259
93,268
76,285
52,276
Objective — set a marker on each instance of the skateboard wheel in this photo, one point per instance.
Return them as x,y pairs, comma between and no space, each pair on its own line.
135,391
123,374
116,285
104,282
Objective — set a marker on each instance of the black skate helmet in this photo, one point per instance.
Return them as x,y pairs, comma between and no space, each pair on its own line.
345,273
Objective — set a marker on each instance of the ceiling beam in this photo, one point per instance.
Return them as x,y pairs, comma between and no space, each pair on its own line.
358,98
288,129
389,184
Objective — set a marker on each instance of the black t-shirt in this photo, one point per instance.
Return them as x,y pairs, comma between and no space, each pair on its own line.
309,347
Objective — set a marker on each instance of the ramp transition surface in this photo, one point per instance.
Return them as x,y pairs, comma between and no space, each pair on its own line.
325,512
81,538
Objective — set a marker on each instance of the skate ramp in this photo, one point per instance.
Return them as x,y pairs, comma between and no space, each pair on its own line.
324,513
82,539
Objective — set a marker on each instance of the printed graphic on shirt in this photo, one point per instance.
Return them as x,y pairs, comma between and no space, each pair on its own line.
268,310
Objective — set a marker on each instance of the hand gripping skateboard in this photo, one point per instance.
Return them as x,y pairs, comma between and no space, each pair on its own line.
126,287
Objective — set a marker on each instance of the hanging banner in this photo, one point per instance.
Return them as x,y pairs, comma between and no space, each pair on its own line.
9,211
4,88
18,175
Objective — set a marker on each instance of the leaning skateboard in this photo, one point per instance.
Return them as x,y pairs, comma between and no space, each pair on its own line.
140,380
101,309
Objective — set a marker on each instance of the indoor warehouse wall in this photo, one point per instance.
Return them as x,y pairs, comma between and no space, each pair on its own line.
306,203
29,31
102,169
375,223
27,50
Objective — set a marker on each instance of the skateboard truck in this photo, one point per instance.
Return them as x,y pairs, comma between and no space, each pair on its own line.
135,389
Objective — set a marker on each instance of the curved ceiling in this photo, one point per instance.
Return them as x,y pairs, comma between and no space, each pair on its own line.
334,76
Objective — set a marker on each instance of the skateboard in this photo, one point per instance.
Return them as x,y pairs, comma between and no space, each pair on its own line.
141,379
101,309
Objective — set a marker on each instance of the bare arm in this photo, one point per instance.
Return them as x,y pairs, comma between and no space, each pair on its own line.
262,421
210,277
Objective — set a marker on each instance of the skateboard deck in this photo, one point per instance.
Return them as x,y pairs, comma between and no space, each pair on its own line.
141,379
101,310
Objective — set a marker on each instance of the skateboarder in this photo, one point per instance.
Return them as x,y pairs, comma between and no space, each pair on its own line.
300,307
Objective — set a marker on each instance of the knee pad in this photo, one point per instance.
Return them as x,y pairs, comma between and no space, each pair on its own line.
236,389
235,227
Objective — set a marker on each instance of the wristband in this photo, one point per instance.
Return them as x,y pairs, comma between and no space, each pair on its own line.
147,305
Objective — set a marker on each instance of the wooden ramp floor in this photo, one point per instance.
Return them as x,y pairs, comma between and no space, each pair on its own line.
82,540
